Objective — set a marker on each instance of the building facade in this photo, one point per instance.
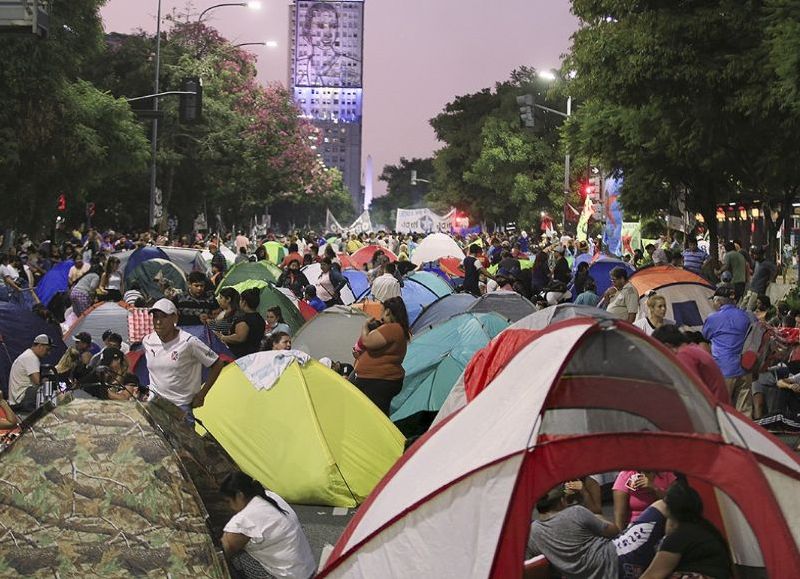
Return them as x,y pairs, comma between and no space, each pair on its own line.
326,76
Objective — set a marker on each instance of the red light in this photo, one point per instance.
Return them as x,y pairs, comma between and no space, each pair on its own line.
62,202
588,189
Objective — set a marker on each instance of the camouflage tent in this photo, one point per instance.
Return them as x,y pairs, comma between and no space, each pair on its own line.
94,489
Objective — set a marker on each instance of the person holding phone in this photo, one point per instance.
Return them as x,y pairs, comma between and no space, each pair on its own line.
635,490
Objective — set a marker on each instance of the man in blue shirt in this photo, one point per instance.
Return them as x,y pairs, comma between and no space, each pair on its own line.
726,329
693,257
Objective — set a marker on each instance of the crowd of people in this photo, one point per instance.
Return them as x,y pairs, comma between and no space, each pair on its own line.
574,539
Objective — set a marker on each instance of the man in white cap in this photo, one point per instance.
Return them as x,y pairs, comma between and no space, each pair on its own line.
25,377
175,360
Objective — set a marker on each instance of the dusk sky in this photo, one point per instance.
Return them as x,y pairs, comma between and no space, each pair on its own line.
418,54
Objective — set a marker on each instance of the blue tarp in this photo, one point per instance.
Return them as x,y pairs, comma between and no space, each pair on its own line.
53,281
18,328
442,309
600,271
359,283
420,289
143,254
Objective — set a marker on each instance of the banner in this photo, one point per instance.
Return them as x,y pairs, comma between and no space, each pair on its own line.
331,225
631,237
612,235
363,224
423,221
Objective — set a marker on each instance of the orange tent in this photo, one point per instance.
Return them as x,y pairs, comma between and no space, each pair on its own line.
687,294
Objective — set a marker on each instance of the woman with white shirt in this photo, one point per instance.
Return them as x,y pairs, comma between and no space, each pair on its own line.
656,315
264,538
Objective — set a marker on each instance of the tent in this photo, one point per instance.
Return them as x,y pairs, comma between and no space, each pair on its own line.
227,253
578,413
436,359
358,283
54,281
364,255
94,490
508,304
18,327
450,265
188,259
442,309
332,333
272,296
100,317
687,294
420,289
434,247
275,251
138,256
312,437
600,271
148,273
314,270
552,314
251,270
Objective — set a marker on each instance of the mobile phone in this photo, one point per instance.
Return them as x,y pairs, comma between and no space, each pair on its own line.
632,480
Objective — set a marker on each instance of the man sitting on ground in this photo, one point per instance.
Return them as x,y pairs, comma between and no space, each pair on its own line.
25,378
579,544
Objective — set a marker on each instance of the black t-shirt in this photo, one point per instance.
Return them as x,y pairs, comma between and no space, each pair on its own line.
471,274
701,550
191,308
255,333
561,270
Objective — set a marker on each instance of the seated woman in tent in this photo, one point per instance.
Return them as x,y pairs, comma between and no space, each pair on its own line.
294,279
247,328
656,315
264,538
634,491
379,369
275,321
693,547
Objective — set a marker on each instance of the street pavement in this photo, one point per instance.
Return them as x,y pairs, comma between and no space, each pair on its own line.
323,525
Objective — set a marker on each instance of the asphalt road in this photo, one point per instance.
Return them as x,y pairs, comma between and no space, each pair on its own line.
322,525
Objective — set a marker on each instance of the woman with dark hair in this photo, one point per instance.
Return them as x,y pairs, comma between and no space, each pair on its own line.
83,292
692,547
275,321
294,279
280,341
247,328
540,273
228,300
379,365
111,281
264,538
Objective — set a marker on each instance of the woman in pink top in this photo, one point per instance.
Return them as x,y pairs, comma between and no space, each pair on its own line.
635,490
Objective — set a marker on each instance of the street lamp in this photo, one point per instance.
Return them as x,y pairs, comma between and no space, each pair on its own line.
550,76
254,5
268,44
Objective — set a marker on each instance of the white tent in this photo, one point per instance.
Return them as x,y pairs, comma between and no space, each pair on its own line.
434,247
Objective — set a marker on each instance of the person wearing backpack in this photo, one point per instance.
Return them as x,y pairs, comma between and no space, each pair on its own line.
727,330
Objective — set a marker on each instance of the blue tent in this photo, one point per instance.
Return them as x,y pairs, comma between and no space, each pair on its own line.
442,309
359,283
435,360
54,281
600,271
144,254
18,328
420,289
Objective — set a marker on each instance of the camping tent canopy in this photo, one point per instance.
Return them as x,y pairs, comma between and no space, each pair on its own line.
434,247
600,270
687,294
581,412
314,270
96,491
100,317
332,333
249,271
54,281
420,289
312,437
442,309
508,304
148,273
436,358
272,296
364,255
558,313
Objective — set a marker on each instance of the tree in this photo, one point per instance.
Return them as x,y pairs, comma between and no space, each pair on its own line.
401,194
60,134
670,99
491,166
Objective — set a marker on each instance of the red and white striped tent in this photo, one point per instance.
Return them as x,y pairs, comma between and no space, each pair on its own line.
583,397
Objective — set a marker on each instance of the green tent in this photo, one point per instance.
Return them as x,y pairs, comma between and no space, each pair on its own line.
272,296
434,362
249,271
93,489
275,251
154,275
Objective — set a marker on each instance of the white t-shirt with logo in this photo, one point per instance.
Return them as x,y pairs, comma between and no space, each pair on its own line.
176,368
277,540
19,380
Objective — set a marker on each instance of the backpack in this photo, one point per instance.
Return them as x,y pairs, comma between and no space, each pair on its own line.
756,347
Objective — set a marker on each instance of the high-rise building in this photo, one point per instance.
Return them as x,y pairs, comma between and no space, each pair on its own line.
325,75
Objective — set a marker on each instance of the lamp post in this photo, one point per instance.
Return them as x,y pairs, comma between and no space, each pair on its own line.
154,135
549,76
254,5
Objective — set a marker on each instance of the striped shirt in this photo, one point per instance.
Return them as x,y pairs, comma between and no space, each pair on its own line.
693,260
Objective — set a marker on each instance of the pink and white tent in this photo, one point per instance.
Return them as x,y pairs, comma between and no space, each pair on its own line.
603,397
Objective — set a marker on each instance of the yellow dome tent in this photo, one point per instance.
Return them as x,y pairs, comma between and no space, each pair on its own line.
312,437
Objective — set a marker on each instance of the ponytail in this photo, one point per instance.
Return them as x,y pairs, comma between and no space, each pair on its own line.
239,482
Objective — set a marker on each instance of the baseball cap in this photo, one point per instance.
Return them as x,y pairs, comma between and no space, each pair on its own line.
725,292
165,306
43,339
84,337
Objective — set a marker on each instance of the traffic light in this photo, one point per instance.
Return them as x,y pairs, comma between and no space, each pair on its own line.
62,203
413,177
526,109
190,109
